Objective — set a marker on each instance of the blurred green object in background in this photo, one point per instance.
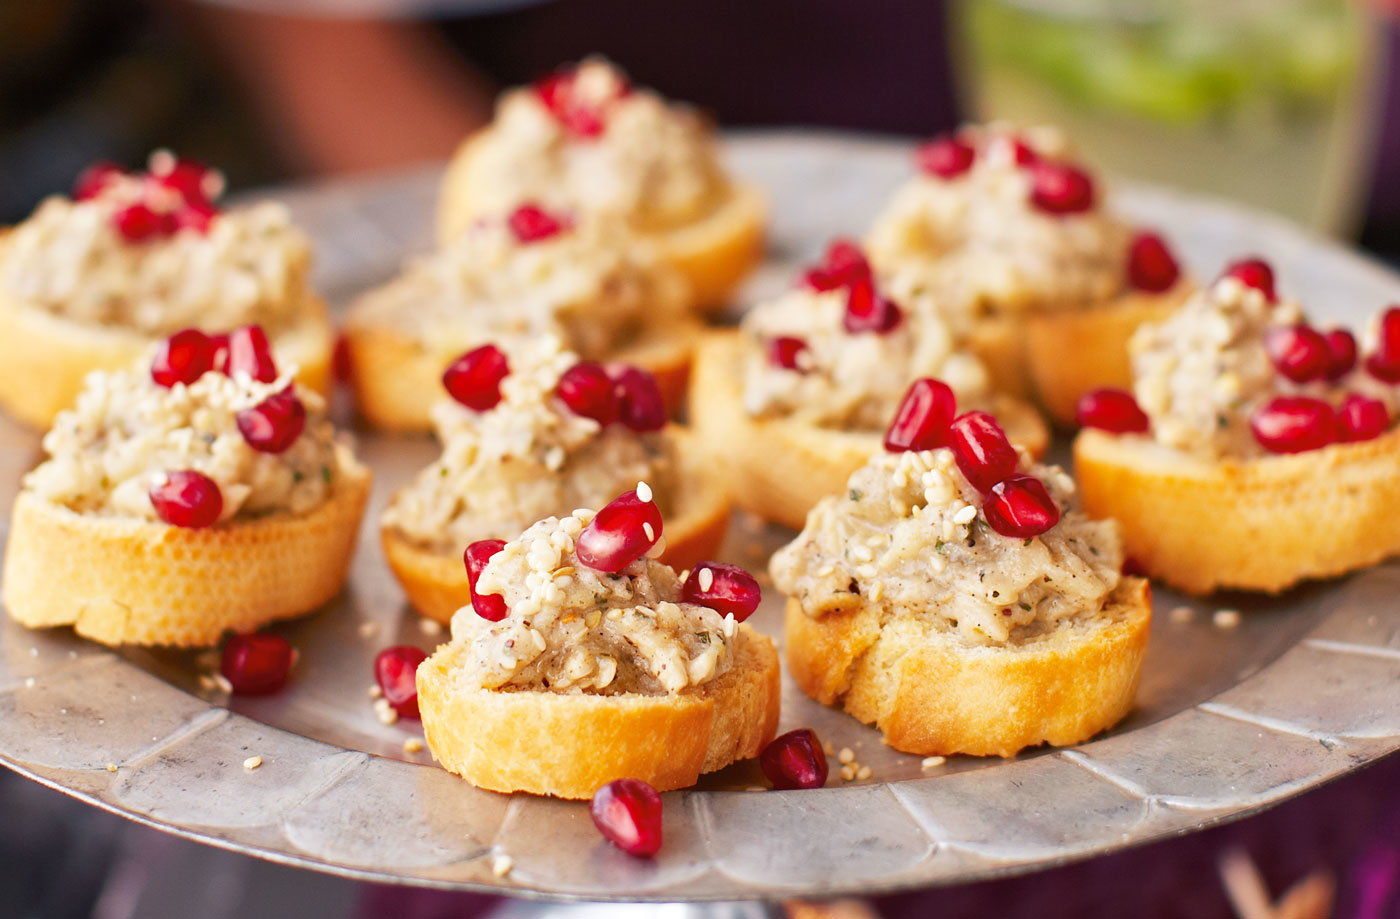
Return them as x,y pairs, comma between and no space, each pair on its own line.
1268,102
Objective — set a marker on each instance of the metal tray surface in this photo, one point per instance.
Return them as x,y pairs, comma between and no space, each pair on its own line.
1229,720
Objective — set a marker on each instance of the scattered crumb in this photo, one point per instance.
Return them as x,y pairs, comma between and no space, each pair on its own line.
207,660
846,756
1182,614
848,772
429,626
501,865
375,692
755,788
385,712
932,762
830,750
367,629
413,745
111,767
1226,618
29,682
863,773
252,763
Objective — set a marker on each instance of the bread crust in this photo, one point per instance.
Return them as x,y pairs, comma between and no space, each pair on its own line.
779,468
1070,352
570,744
125,581
436,582
396,379
1262,524
932,695
715,253
46,357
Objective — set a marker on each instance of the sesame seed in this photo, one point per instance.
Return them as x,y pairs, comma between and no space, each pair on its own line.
965,514
649,530
932,762
375,692
643,491
847,755
413,745
224,685
429,626
1182,614
1226,618
706,579
111,767
385,712
252,763
501,865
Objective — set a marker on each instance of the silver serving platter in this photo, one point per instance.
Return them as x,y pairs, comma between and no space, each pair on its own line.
1229,720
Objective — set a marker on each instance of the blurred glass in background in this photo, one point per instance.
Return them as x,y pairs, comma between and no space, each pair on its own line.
1269,102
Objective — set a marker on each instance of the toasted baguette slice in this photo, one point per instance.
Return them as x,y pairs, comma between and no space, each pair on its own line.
142,583
570,744
1071,352
396,379
1262,524
436,582
715,252
46,357
779,468
933,695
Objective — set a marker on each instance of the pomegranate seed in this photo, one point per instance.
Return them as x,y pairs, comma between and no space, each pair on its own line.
580,119
188,499
726,589
589,392
190,180
787,352
94,180
640,405
1020,507
1133,568
250,352
137,223
182,358
867,311
256,664
1112,410
1299,352
794,760
1151,265
474,379
619,534
946,157
1255,273
197,216
396,672
491,607
983,453
1361,418
531,223
1384,364
1058,188
218,345
1022,153
628,814
1293,424
1341,353
274,424
922,419
843,265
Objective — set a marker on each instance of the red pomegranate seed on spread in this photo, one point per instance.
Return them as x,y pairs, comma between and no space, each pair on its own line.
1058,188
474,379
1151,265
1361,418
197,216
868,311
137,223
1384,364
188,499
639,401
1255,273
842,265
589,392
946,157
1112,410
182,358
981,449
794,760
274,424
1293,424
628,814
1341,353
922,419
491,607
189,179
531,223
94,180
578,118
1299,352
726,589
256,664
787,352
250,352
1020,507
396,672
619,534
1022,153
